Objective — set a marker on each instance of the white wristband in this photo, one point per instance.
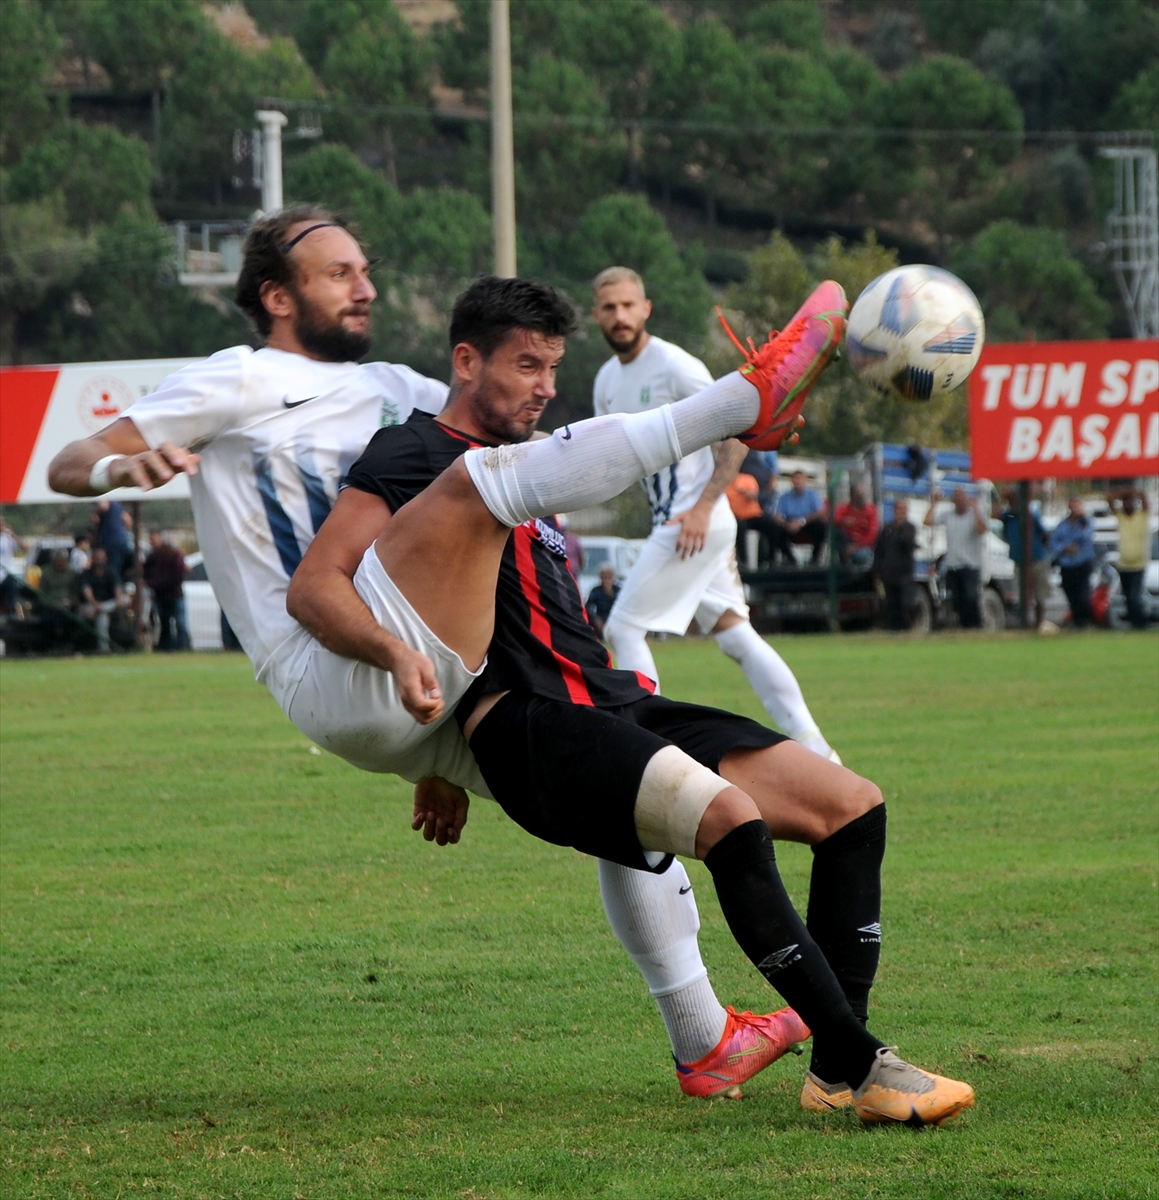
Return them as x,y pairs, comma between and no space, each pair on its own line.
99,478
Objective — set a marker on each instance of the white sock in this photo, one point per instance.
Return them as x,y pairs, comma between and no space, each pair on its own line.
657,924
629,645
592,461
769,676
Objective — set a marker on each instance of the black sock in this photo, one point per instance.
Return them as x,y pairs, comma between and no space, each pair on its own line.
770,931
845,913
845,904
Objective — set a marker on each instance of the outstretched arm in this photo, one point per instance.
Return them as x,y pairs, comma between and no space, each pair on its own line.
130,462
322,598
440,810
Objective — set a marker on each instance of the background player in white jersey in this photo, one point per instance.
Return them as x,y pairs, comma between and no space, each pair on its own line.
267,437
687,567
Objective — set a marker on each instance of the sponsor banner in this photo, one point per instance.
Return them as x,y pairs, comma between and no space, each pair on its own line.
1064,410
42,409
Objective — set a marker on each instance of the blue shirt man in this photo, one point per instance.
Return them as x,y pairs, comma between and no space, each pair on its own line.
800,503
1072,541
800,518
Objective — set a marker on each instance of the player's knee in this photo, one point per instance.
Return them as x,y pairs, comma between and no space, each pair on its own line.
863,796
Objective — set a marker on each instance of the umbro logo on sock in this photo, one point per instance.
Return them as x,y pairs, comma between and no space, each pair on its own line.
778,960
873,930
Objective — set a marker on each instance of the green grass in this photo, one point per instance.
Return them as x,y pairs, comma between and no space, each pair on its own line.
230,969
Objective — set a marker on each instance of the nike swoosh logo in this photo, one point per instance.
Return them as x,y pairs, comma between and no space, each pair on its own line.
288,403
567,433
685,890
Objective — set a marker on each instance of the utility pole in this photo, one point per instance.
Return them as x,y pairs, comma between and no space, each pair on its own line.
271,122
502,141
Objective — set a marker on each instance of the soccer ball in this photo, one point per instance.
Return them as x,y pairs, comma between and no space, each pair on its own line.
915,332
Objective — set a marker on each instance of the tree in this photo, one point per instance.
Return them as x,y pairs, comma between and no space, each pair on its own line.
96,171
1030,285
933,176
27,48
39,254
376,64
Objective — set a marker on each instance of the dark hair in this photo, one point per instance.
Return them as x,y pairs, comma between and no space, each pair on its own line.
492,307
265,259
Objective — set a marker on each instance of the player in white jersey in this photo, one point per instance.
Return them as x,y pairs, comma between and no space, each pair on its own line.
687,567
267,437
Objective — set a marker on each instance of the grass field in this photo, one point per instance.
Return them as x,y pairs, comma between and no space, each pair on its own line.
230,969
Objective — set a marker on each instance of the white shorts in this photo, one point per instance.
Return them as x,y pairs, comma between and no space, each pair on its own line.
354,710
663,592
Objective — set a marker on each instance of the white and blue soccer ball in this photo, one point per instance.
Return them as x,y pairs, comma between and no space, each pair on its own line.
915,333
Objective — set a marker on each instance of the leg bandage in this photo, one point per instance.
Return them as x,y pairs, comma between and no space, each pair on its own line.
592,461
674,793
772,680
630,646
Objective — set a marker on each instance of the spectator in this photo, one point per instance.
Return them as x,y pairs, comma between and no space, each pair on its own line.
966,531
112,536
164,572
100,597
81,555
762,466
893,560
601,598
800,517
744,498
1072,544
10,547
1129,505
58,596
1010,514
857,523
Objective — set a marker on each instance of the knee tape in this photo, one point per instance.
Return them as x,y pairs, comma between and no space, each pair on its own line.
674,793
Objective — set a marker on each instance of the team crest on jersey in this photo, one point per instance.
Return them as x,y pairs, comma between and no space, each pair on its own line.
550,536
388,414
646,394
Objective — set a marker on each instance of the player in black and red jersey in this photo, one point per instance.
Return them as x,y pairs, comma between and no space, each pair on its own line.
580,754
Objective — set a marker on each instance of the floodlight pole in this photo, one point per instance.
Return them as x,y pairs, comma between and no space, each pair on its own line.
271,122
502,141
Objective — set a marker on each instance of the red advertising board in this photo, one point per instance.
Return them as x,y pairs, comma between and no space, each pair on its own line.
1062,410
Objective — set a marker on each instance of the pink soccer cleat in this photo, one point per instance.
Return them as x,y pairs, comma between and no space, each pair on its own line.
748,1045
788,364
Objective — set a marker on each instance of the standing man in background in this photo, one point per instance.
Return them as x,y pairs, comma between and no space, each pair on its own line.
1072,544
1129,505
1009,512
164,571
893,560
966,530
687,567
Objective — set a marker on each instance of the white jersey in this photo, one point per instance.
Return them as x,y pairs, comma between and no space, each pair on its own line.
660,374
277,433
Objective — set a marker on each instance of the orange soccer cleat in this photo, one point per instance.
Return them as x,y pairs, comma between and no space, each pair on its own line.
788,364
819,1096
895,1093
748,1045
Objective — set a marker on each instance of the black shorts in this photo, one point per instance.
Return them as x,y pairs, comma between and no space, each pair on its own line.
569,773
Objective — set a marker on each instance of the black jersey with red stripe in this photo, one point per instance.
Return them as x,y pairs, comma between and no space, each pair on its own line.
543,641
